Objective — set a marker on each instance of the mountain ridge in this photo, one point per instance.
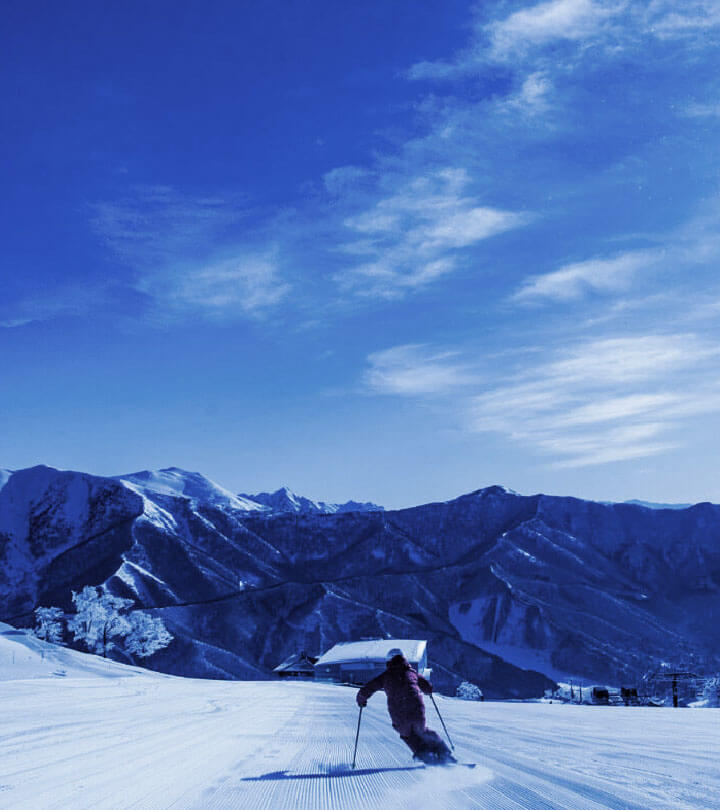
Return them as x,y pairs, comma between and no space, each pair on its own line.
285,500
593,590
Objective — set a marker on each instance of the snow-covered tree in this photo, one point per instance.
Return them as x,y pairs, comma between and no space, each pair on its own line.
48,624
711,692
98,619
147,635
101,619
468,691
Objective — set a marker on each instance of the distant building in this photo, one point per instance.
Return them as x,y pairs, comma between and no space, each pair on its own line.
299,665
600,696
629,696
356,662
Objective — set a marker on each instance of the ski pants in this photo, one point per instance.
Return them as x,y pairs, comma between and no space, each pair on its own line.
418,737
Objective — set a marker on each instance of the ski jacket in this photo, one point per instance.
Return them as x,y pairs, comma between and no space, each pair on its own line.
403,687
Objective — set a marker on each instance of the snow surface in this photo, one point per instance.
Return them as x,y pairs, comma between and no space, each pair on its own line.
4,476
154,742
469,624
23,656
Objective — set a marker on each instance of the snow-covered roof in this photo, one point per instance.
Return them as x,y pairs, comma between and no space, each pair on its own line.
299,662
372,650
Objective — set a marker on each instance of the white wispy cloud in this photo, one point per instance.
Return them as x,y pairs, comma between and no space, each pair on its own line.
413,236
696,243
706,110
540,63
689,18
515,36
150,225
572,281
612,24
544,22
242,285
184,255
534,96
608,445
609,399
415,369
605,400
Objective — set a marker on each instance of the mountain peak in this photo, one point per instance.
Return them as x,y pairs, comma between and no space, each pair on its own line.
285,500
4,477
493,489
176,482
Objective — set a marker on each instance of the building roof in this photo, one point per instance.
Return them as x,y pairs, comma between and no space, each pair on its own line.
299,662
372,650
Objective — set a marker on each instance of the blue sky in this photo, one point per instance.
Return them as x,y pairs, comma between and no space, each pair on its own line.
392,252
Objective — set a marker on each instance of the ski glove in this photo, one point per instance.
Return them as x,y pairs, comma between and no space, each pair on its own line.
361,701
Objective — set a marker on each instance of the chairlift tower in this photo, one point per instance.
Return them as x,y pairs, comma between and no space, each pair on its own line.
672,678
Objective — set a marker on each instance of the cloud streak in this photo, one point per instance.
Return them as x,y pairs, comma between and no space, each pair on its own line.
696,243
573,281
412,237
540,24
243,285
617,25
415,369
185,257
606,400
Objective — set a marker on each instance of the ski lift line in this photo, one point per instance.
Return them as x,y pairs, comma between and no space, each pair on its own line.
247,590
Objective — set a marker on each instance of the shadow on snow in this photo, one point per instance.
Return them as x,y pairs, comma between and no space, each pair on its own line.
280,775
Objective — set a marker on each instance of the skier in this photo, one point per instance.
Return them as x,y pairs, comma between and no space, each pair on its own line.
403,687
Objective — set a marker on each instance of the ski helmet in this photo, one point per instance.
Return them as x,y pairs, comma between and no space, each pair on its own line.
392,653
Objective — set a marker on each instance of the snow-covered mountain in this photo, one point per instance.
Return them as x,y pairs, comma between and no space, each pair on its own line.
285,500
196,487
498,583
193,485
651,505
4,476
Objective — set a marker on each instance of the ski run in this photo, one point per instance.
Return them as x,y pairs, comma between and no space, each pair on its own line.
89,733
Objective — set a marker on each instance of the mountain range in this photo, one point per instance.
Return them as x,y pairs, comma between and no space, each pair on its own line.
512,592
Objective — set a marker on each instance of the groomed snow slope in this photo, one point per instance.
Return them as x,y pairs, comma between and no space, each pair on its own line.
149,742
23,656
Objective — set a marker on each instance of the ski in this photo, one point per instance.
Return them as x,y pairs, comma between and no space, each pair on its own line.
450,764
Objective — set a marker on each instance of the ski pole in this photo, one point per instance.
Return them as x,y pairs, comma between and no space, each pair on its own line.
357,736
442,721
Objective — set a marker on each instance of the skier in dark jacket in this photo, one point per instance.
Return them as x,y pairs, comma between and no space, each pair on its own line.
404,687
